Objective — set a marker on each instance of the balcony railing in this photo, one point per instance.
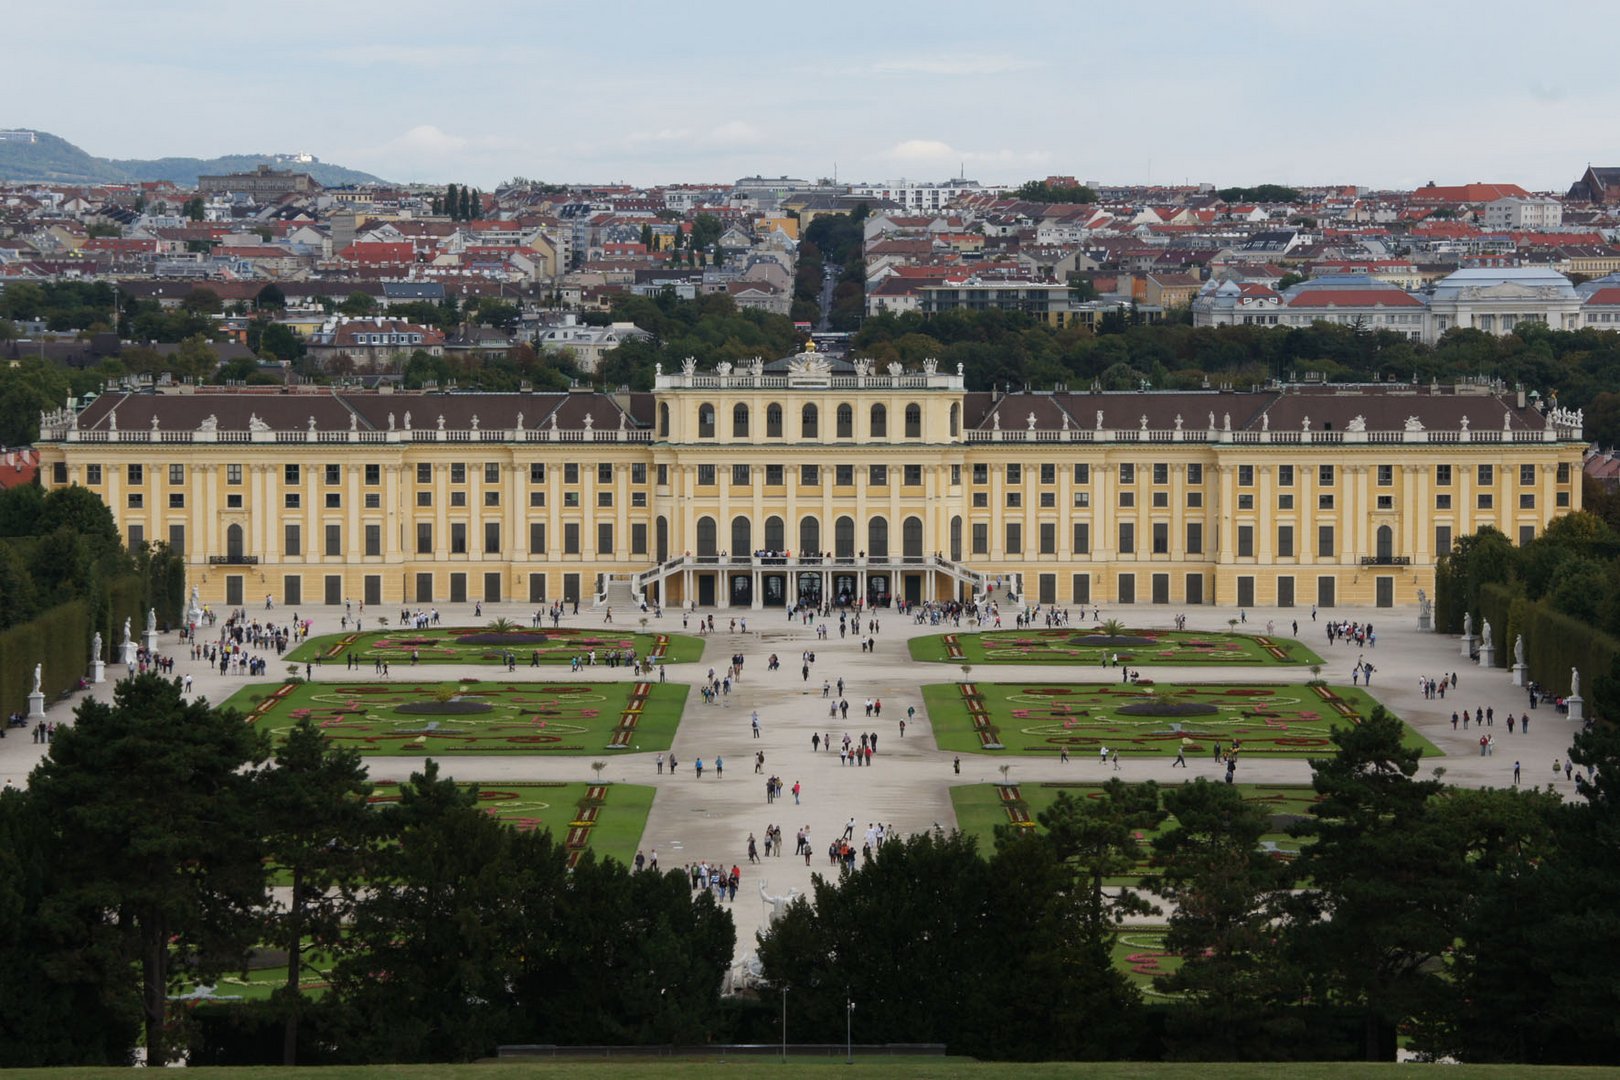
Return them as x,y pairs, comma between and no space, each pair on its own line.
1386,560
233,560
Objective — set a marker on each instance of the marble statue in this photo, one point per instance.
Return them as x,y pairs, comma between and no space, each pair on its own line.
1212,421
38,678
588,421
520,421
1468,624
209,423
95,647
390,421
1423,603
475,421
127,636
1031,419
255,424
354,421
1574,681
154,423
407,419
1413,424
1305,425
1099,419
778,903
1226,422
441,421
1356,423
1265,421
1485,634
1465,425
689,366
1507,421
151,620
1178,421
1518,649
312,425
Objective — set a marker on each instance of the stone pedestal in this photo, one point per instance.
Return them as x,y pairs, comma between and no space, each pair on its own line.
1519,672
1487,656
1424,620
98,671
36,706
149,641
1577,707
126,653
1468,645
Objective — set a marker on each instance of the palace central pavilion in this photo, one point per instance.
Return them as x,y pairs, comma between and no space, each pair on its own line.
814,479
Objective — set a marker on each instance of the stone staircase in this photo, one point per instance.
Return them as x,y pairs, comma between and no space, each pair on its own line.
620,594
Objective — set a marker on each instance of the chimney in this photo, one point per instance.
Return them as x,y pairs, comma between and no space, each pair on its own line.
1521,396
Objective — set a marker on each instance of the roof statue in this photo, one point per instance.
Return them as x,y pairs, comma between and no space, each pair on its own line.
1178,421
1465,423
1065,421
723,367
1413,424
554,421
1212,421
995,420
809,363
588,421
1226,422
863,368
1265,421
1099,419
960,369
312,425
1031,419
441,421
390,421
1305,424
658,368
475,421
756,367
154,422
689,366
519,421
112,420
1144,421
1356,423
895,368
209,423
621,419
407,419
930,366
810,346
255,424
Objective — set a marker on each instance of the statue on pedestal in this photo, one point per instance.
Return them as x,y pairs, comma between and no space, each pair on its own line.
1574,681
151,620
1485,634
95,647
1468,624
39,677
1518,649
778,903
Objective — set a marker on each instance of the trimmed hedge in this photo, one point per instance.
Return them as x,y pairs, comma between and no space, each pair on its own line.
1496,604
1554,643
59,639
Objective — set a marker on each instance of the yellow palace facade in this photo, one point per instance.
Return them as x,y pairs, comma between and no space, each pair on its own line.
815,479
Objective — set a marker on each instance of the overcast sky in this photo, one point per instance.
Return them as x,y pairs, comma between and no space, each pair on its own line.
1373,93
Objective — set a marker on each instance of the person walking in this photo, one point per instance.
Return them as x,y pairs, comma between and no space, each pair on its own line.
795,793
660,764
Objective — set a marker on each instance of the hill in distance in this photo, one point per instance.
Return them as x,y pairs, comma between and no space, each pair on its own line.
51,159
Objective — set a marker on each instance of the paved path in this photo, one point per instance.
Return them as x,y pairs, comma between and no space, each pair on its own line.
909,782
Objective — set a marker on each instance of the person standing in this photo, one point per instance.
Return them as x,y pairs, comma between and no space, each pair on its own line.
660,764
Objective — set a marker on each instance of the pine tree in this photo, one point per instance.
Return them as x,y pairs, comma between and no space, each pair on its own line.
451,207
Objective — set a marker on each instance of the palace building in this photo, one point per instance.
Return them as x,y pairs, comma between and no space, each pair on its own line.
812,478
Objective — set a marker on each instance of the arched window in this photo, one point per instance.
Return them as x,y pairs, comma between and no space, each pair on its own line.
956,539
877,538
911,538
846,422
1386,543
775,534
844,538
880,422
809,536
742,536
956,420
739,421
233,542
913,422
705,421
663,538
773,421
663,420
808,424
706,544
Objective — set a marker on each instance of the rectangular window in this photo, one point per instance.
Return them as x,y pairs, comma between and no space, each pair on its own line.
809,475
1486,501
774,476
334,474
458,473
233,502
1285,541
1442,502
604,538
1442,475
912,476
981,473
137,537
1049,500
537,538
492,538
1324,475
844,475
292,539
638,472
1324,502
373,475
981,538
1324,541
492,472
1161,499
1442,540
1285,502
177,500
638,538
1285,476
373,539
1563,472
334,541
1015,473
1048,474
1195,473
1080,587
458,538
740,476
1127,474
570,498
92,475
1561,500
537,472
956,476
1048,538
1127,498
425,498
1082,537
424,473
571,538
1527,475
1127,538
1245,502
1015,498
1195,538
1015,538
1527,533
1082,474
1082,498
424,538
1245,476
604,472
1386,475
1487,475
291,500
1161,538
334,500
1245,541
604,498
877,476
1161,473
638,498
1386,502
177,474
705,475
233,474
177,539
1527,500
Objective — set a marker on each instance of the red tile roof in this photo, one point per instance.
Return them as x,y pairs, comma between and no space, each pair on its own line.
1354,298
1609,294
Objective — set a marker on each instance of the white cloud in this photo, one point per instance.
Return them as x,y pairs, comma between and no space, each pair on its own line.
427,152
934,151
953,64
922,150
733,133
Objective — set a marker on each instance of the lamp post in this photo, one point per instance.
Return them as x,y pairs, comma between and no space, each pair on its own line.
849,1027
784,1024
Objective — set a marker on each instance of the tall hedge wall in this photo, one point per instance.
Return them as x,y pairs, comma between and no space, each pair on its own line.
59,639
1554,643
1496,604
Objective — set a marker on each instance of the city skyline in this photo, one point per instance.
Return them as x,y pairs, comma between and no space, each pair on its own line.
556,92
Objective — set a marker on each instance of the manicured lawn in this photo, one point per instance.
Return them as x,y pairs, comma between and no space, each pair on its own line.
981,808
897,1068
407,717
1135,648
1272,720
481,645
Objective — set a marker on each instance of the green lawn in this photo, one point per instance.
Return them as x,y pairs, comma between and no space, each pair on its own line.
1084,646
898,1068
1268,719
481,645
981,808
405,717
